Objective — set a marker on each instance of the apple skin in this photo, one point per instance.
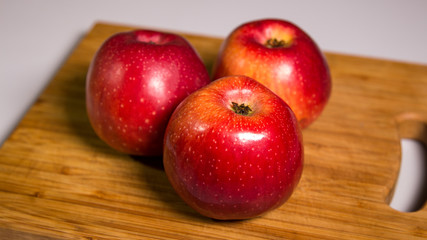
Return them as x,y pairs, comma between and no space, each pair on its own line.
297,71
134,83
229,166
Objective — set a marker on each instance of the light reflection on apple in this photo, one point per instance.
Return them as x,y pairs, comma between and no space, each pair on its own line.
250,136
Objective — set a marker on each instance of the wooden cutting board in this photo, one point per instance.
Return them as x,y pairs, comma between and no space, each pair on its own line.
58,180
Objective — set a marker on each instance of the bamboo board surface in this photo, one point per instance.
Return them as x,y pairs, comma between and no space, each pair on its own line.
58,180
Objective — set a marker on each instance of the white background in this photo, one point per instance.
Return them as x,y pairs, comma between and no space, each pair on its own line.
37,36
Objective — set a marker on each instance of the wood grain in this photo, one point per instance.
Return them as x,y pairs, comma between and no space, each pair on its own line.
59,181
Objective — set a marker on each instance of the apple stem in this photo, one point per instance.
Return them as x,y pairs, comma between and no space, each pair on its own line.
241,109
274,43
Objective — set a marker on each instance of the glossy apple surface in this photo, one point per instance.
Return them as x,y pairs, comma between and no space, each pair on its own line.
134,83
233,149
284,58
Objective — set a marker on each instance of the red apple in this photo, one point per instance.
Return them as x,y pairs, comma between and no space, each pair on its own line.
233,149
284,58
134,83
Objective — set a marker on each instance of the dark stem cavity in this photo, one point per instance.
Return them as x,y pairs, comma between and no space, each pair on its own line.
274,43
241,109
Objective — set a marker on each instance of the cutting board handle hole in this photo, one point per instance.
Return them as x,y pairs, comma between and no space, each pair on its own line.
410,193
